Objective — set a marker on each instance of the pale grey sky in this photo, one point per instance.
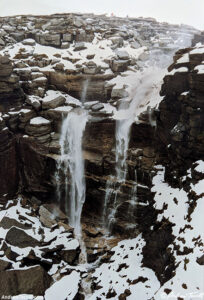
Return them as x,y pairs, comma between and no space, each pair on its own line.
174,11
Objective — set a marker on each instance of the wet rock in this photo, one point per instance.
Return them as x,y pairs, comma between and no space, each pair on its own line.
19,238
30,281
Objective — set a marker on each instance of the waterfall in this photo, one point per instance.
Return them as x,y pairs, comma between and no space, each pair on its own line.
71,164
84,91
147,86
114,184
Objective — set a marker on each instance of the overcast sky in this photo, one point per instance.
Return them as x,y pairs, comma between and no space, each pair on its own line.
174,11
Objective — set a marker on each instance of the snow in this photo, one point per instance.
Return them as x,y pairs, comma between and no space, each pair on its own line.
39,120
199,50
188,271
65,288
50,95
100,47
183,59
63,108
25,111
72,101
185,93
56,237
143,89
25,297
198,188
179,70
127,252
200,69
200,166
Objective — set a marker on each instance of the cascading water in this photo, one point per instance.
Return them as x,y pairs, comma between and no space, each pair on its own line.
115,182
71,164
147,86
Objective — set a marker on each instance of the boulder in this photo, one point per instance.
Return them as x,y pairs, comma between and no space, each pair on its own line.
7,223
29,42
118,93
38,126
135,45
69,255
200,260
122,55
67,37
18,36
117,41
91,68
79,46
18,238
52,102
50,39
26,115
34,101
5,66
2,43
119,65
33,281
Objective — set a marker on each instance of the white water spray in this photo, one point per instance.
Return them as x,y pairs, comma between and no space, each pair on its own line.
72,164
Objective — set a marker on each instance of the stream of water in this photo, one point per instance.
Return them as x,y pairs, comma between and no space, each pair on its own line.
71,163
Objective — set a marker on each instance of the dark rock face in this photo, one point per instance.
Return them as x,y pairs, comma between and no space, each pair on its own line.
30,281
37,168
155,253
9,172
180,119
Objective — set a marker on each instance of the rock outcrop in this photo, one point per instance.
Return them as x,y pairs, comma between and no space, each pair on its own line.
180,118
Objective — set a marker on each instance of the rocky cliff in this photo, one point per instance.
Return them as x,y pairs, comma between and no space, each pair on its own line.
51,66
